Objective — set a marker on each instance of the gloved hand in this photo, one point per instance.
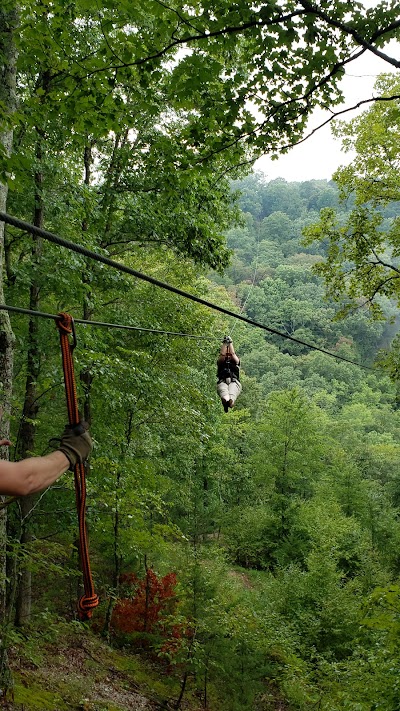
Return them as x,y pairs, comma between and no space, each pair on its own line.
227,340
76,443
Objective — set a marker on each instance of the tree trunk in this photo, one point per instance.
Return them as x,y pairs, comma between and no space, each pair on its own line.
182,691
117,554
31,407
117,562
86,375
8,60
111,183
205,682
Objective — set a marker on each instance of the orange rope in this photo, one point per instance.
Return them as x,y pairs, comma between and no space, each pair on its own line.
89,600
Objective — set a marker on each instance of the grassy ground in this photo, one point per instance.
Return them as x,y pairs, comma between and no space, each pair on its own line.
60,666
67,667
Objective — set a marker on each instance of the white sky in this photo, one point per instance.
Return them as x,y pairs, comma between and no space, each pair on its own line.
320,155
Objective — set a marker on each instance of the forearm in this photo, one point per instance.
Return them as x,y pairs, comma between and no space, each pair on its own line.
32,475
41,472
225,351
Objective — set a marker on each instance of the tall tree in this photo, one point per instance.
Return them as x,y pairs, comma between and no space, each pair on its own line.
8,100
361,267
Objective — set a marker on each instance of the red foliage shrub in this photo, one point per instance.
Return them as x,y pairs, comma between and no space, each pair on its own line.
147,603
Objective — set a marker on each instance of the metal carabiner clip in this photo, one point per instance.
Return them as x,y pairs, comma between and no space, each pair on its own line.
74,340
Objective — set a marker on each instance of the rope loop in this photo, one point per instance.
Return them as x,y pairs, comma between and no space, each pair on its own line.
86,605
64,322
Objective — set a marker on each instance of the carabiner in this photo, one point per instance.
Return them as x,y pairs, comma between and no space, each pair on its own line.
74,340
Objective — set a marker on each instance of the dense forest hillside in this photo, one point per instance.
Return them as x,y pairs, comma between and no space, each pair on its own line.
243,560
247,560
272,275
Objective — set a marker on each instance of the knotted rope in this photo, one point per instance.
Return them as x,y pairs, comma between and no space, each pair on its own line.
89,600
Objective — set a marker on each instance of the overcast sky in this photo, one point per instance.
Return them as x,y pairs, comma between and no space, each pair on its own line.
321,154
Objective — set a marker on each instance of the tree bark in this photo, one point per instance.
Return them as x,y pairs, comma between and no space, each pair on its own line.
86,375
111,183
8,61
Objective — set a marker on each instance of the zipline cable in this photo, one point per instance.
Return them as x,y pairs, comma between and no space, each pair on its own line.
253,281
49,236
43,314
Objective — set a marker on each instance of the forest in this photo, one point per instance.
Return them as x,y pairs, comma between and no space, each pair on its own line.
248,560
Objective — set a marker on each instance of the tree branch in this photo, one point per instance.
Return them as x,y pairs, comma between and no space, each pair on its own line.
179,16
379,287
304,98
336,114
203,35
354,33
384,264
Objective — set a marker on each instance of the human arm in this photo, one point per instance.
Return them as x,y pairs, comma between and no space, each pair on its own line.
37,473
227,349
32,475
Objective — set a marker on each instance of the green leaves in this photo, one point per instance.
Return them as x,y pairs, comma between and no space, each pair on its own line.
232,56
361,262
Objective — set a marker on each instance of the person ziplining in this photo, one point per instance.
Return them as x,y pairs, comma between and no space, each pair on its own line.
228,374
125,269
37,473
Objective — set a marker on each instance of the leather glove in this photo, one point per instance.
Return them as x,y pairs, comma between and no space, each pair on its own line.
227,340
76,443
